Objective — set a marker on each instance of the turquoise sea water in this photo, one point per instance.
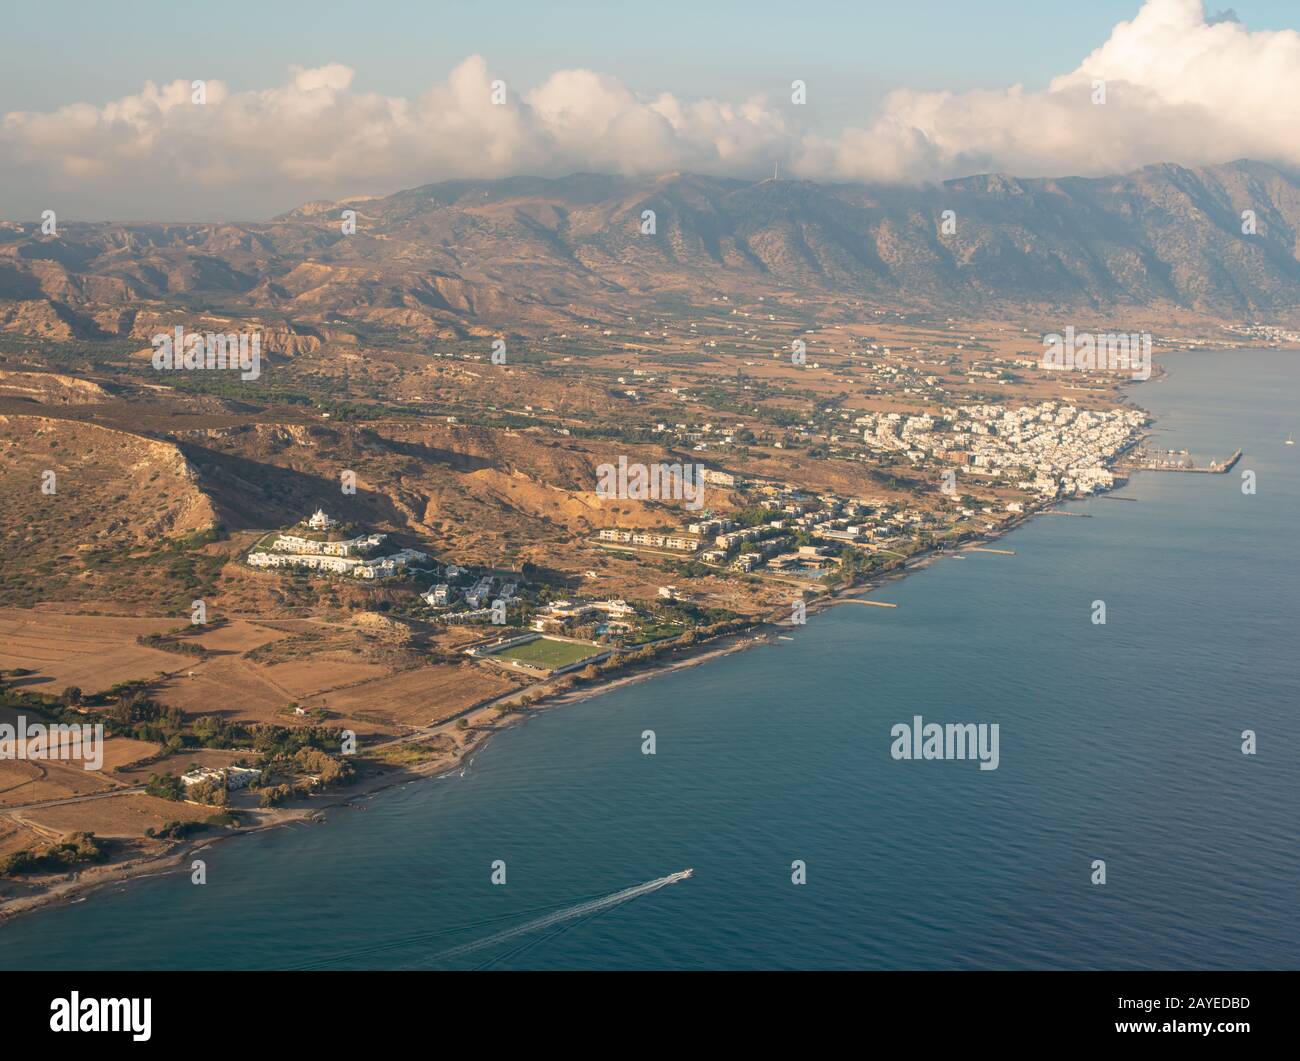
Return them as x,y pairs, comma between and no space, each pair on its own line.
1119,742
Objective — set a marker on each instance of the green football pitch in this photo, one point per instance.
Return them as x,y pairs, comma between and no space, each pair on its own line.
547,653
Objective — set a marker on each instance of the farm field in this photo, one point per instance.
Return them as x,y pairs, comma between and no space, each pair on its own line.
15,837
31,781
92,652
362,678
420,696
127,815
239,635
230,686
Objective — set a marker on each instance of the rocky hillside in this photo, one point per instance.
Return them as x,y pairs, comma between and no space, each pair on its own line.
471,257
74,493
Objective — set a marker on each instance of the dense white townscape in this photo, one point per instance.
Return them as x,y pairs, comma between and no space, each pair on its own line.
1050,450
1066,449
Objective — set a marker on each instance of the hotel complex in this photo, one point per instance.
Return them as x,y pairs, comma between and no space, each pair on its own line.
346,557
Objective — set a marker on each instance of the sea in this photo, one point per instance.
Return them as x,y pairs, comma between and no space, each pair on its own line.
1161,747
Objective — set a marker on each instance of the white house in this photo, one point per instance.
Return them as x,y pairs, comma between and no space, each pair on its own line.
439,596
232,776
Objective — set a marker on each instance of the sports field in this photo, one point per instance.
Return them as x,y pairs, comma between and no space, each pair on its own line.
547,654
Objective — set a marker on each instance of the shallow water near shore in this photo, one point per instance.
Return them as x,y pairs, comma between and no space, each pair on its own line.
1119,742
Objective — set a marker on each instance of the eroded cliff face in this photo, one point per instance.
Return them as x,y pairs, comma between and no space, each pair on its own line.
51,388
68,483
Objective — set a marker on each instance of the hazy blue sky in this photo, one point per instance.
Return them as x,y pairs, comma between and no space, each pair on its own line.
65,50
331,98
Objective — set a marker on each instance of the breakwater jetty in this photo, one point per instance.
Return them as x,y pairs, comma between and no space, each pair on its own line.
1174,461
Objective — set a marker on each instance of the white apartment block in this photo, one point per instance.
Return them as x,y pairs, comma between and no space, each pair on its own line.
682,542
293,543
378,567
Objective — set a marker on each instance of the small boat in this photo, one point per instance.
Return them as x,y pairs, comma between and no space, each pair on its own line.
1290,440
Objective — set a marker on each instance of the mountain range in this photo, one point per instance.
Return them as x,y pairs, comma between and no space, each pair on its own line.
471,257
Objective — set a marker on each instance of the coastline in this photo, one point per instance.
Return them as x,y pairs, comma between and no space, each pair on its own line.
760,632
417,854
90,880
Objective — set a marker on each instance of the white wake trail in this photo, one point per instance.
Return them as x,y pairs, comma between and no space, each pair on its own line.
592,906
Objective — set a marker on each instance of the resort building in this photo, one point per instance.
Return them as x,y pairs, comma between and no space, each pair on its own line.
328,563
481,591
615,609
440,596
680,542
232,776
293,543
466,617
570,611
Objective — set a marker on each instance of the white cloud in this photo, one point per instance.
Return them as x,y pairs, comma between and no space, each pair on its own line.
1180,87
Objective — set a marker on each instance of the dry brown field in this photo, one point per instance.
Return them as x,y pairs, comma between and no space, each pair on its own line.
239,635
230,686
310,678
31,782
413,698
92,652
16,837
129,814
